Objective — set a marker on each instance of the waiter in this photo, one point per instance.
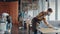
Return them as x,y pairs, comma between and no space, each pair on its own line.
41,17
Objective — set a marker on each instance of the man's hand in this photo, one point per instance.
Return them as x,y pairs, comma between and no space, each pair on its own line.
50,26
46,23
55,28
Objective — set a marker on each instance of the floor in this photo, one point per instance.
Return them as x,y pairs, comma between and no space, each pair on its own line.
23,31
15,30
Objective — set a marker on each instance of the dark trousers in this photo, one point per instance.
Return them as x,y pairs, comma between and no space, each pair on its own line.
35,32
34,25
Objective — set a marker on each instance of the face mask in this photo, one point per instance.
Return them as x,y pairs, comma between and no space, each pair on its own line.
49,13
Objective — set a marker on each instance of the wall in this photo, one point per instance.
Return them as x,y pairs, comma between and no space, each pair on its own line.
11,8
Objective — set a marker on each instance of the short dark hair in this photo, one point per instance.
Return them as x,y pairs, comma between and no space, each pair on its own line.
50,10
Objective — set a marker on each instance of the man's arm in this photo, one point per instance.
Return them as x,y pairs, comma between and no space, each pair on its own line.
45,21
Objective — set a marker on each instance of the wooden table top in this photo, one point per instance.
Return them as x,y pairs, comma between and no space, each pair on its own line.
49,30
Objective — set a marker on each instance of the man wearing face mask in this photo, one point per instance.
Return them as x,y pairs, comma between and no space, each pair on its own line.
41,17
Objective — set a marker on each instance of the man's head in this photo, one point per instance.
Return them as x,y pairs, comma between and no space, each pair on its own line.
49,11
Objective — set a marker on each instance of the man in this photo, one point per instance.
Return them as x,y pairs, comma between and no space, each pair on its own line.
41,17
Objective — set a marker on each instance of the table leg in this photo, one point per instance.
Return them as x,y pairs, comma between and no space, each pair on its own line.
29,29
56,33
40,32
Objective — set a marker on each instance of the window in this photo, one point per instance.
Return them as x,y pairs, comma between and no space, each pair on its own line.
52,5
30,12
58,10
35,13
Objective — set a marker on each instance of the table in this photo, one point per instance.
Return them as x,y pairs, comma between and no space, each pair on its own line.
48,30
